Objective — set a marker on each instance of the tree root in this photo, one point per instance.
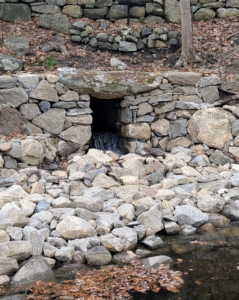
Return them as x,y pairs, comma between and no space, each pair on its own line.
185,60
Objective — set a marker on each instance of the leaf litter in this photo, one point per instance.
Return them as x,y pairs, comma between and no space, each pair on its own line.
216,41
109,283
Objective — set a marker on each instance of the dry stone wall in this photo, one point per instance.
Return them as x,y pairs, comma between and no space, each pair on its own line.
184,109
147,11
56,15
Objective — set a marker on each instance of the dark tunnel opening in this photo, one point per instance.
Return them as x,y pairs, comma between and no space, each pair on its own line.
106,125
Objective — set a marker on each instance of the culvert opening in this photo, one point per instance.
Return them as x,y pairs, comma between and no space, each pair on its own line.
106,124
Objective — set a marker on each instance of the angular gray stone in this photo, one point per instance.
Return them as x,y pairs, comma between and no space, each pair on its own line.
28,81
209,94
13,217
95,13
98,256
13,97
232,3
7,82
152,219
152,242
117,12
10,63
80,119
80,134
92,204
127,46
8,265
52,120
210,204
44,92
19,250
156,261
35,269
183,78
204,14
30,110
190,215
99,83
64,253
15,12
178,128
172,11
35,238
72,227
120,239
231,211
46,9
56,22
227,12
70,96
219,158
19,45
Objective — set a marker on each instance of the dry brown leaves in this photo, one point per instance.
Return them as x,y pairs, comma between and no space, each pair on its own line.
110,283
212,40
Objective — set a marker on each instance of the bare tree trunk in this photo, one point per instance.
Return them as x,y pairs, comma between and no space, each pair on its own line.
188,54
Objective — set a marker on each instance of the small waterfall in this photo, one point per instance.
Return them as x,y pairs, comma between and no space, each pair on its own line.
106,141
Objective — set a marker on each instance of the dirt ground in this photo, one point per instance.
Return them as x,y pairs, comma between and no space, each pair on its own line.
215,41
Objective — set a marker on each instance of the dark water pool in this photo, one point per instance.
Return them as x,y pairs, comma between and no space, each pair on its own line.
208,276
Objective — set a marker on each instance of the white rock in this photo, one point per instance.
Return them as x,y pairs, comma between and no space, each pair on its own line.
100,156
72,227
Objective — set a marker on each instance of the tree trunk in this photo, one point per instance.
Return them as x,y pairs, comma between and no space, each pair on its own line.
188,54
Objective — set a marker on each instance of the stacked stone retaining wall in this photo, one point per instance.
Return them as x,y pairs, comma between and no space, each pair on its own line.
147,11
184,109
57,15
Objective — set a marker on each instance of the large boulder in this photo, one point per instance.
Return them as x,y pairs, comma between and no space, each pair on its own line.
52,120
19,250
98,256
35,269
109,85
8,265
227,12
57,22
212,127
32,152
95,13
44,92
19,45
204,14
10,63
14,12
172,11
117,12
140,131
13,97
79,134
190,215
74,228
183,78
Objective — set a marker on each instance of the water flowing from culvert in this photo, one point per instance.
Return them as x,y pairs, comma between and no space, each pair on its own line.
106,141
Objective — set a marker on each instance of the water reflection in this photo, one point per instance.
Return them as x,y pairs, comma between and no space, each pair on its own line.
210,264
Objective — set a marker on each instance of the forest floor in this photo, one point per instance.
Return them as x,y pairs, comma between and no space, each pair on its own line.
216,41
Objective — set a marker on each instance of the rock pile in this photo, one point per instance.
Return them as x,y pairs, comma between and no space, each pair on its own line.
127,40
103,206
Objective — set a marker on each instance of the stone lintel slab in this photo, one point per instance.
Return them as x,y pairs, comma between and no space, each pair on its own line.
109,85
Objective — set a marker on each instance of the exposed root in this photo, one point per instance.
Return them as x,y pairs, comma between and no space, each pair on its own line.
185,60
